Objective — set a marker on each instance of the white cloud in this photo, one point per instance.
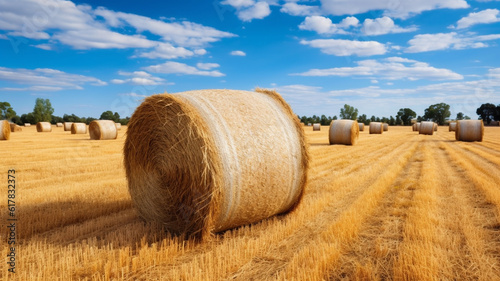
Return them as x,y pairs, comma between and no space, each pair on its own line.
238,53
207,66
138,78
200,52
258,11
384,25
485,16
295,9
348,22
443,41
394,68
171,67
167,51
238,3
340,47
47,79
323,25
46,47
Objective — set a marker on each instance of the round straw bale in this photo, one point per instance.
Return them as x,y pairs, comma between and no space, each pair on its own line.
344,132
103,130
192,165
361,127
27,125
452,127
4,130
67,126
386,127
469,130
59,124
316,127
15,128
43,127
435,127
414,127
418,126
426,128
376,128
78,128
118,126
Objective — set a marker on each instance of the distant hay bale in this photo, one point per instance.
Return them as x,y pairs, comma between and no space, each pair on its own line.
376,128
67,126
386,127
27,125
452,126
103,130
414,127
42,127
193,166
309,124
469,130
418,126
118,126
435,127
316,127
59,124
344,132
426,128
361,127
15,128
4,130
78,128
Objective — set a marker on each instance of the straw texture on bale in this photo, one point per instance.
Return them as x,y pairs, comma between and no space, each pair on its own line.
192,165
435,127
452,126
4,130
376,128
414,127
361,127
426,128
27,125
15,128
103,130
469,130
78,128
67,126
316,127
118,126
343,132
59,124
43,127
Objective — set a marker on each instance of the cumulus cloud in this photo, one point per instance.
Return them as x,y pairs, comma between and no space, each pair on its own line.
172,67
247,10
323,25
238,53
452,40
138,78
207,66
339,47
167,51
383,25
295,9
482,17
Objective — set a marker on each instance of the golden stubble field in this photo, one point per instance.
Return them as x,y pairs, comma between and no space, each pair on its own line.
396,206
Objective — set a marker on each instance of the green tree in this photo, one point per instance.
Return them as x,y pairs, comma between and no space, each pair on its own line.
71,118
460,116
43,110
398,120
466,117
109,115
6,111
487,112
28,118
406,114
437,113
348,112
57,119
16,120
363,119
392,121
373,119
497,114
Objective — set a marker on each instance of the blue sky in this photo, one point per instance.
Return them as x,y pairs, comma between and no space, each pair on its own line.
378,56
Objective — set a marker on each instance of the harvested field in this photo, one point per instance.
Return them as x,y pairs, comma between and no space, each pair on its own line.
396,206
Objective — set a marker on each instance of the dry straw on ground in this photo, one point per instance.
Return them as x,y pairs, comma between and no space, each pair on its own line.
469,130
343,132
361,127
43,127
103,130
118,126
386,127
4,130
27,125
426,128
376,128
59,124
67,126
15,128
192,164
316,127
78,128
452,126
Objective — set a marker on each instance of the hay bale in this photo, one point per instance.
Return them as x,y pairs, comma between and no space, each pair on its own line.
426,128
344,132
316,127
103,130
452,126
67,126
418,126
361,127
78,128
192,165
59,124
118,126
27,125
376,128
15,128
309,124
386,127
494,123
4,130
469,130
435,127
414,127
43,127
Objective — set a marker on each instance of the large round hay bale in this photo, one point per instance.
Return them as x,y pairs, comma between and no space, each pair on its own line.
42,127
452,126
386,127
376,128
15,128
361,127
27,125
414,127
78,128
103,130
59,124
435,127
4,130
316,127
418,126
118,126
469,130
426,128
343,132
192,164
67,126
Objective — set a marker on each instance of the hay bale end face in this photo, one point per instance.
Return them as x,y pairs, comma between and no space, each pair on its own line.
435,127
43,127
4,130
59,124
469,130
386,127
67,126
426,128
376,128
15,128
192,166
27,125
316,127
452,126
118,126
361,127
103,130
343,132
78,128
